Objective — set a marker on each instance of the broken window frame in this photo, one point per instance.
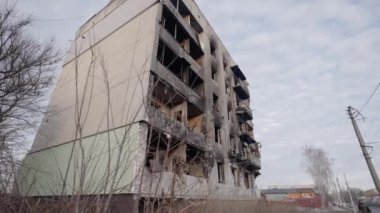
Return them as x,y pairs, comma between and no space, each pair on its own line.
215,100
218,134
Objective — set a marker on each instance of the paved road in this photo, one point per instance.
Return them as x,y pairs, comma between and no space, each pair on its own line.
375,209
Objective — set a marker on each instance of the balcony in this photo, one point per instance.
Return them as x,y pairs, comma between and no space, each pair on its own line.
241,90
193,96
247,137
252,163
244,113
238,73
246,133
233,154
176,128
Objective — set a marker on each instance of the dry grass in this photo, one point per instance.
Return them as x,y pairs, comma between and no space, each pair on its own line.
211,206
11,204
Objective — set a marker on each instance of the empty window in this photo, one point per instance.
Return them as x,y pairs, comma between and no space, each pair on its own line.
196,82
212,48
214,73
218,135
178,116
194,159
221,178
215,101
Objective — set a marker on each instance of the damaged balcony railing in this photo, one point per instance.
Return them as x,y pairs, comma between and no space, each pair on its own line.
241,89
253,162
246,134
176,128
244,112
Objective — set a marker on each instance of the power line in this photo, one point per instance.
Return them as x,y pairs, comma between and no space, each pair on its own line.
370,98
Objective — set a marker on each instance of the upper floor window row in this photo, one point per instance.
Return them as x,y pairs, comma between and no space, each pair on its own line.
186,14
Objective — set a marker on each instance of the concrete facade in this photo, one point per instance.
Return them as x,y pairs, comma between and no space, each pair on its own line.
149,102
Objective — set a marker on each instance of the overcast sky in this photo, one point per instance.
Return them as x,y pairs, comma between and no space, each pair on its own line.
306,61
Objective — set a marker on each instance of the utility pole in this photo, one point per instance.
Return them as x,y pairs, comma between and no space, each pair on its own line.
349,193
367,158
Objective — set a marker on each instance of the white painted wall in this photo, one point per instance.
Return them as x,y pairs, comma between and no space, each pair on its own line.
119,60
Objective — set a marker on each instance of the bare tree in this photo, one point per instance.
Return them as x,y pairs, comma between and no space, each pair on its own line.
26,67
318,165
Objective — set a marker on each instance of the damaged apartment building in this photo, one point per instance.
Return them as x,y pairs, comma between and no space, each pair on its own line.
149,104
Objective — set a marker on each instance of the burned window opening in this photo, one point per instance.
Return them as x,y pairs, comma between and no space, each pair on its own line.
196,83
196,162
180,68
215,100
170,23
213,47
218,134
196,119
159,145
214,72
173,27
186,14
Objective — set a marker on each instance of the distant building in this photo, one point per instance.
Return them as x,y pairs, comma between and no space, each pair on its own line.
302,197
275,194
148,91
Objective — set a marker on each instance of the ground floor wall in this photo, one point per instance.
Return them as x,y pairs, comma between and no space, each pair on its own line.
104,163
